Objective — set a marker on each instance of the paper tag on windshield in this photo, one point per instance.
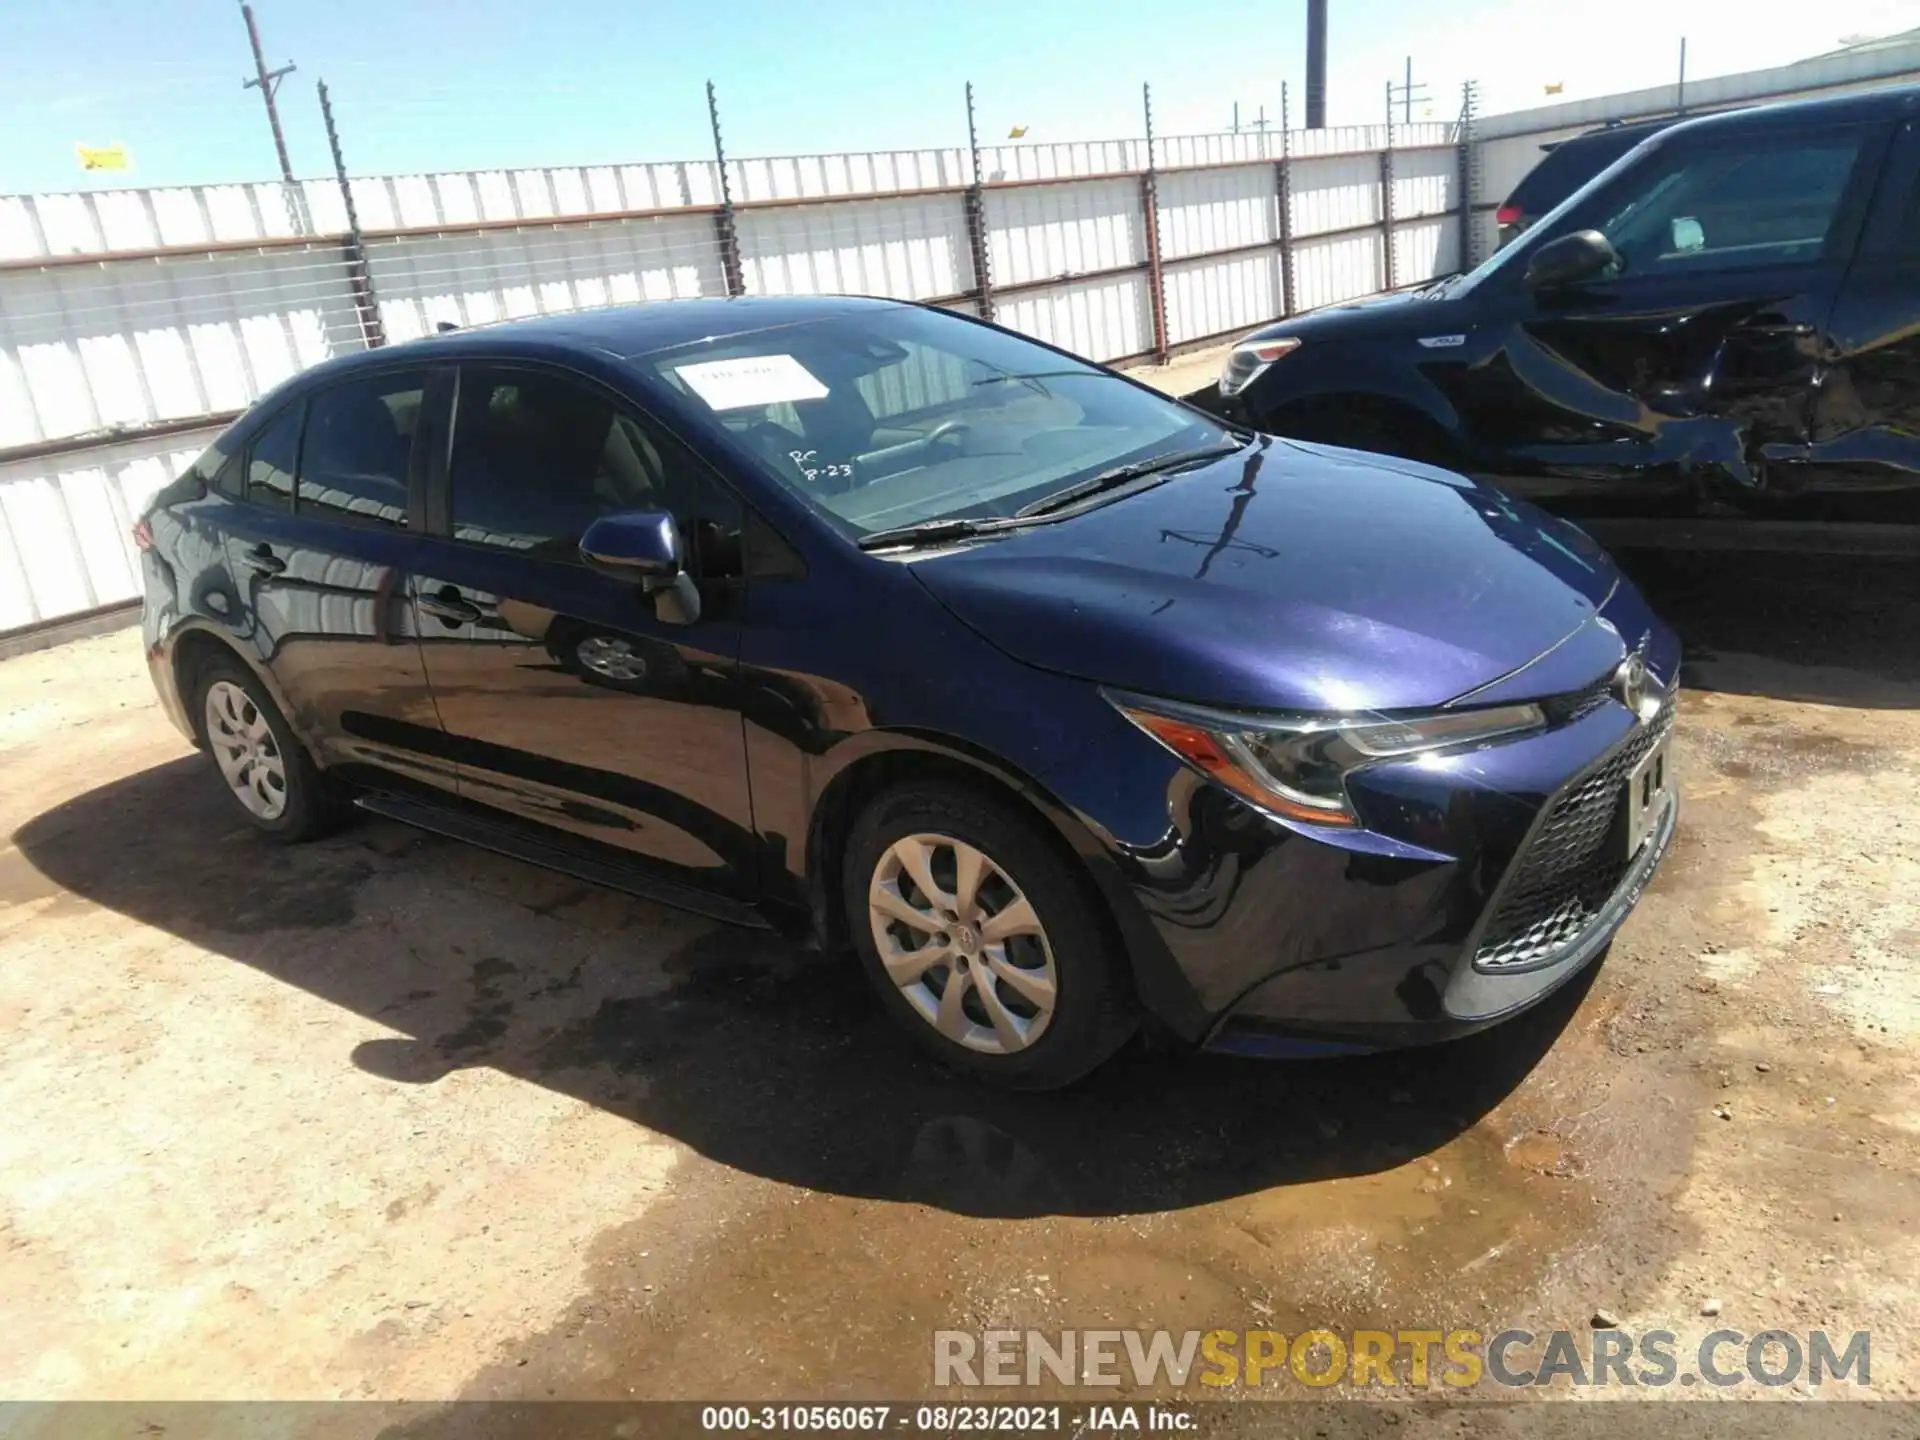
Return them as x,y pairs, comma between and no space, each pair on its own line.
751,380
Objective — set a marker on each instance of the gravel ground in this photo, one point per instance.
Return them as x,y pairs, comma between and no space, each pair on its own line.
387,1117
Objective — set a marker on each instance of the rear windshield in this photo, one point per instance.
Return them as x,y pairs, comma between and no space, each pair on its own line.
1568,166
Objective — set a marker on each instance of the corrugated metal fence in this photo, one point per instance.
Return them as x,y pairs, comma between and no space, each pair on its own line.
134,323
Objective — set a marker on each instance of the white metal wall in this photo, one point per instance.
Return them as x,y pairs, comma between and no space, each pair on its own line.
477,277
909,248
130,343
125,340
65,525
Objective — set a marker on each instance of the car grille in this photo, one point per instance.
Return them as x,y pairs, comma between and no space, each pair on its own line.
1571,868
1578,704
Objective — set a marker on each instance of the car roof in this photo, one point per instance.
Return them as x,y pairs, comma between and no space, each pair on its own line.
619,332
1621,130
1887,102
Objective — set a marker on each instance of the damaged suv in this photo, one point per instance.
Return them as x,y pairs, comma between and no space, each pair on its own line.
1714,343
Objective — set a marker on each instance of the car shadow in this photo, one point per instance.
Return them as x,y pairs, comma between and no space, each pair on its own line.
1820,629
761,1056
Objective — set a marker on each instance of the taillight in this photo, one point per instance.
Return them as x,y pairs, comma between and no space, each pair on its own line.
142,534
1507,215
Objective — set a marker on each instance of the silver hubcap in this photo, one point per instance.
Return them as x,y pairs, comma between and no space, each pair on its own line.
962,943
612,658
245,750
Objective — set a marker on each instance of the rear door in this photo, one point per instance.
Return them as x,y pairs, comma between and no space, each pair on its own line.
568,700
1865,461
1686,378
319,552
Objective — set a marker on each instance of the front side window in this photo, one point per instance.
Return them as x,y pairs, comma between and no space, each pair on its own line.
1768,201
270,460
885,418
358,449
539,456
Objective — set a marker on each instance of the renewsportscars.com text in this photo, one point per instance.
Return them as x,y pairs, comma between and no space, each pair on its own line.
1412,1358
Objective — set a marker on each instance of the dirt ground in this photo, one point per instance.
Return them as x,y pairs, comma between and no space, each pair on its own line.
386,1117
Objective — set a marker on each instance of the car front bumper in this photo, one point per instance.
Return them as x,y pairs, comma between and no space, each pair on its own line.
1251,934
1266,1021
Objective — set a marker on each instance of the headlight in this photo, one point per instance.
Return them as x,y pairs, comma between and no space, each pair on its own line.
1297,766
1249,358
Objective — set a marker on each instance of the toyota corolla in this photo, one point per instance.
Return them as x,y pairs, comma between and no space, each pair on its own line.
1064,707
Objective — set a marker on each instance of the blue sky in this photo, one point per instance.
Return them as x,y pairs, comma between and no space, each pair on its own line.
463,84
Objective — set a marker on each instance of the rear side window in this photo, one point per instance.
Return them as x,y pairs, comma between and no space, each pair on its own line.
358,451
270,460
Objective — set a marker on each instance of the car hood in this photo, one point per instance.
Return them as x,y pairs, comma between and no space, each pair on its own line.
1390,312
1287,577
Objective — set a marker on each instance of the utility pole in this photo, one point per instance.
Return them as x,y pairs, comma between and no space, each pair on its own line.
1316,64
267,82
1407,93
1680,96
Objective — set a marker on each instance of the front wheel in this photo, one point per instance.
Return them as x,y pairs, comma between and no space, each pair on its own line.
981,938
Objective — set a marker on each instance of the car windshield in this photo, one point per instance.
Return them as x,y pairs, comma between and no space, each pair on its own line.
887,418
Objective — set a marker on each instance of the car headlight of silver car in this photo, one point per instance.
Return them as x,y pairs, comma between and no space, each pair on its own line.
1297,766
1248,360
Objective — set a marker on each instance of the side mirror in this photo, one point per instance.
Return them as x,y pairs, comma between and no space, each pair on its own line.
643,547
1569,260
637,545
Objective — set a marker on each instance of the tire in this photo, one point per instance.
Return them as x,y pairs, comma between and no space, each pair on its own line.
292,799
1066,1007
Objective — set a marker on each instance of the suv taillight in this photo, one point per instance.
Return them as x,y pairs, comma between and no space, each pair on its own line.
1507,215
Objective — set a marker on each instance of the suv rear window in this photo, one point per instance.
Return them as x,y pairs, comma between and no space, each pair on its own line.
1568,166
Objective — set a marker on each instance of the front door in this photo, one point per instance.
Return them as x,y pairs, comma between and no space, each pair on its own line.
569,697
1684,379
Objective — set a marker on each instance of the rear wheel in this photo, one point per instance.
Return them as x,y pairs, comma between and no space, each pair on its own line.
981,938
265,768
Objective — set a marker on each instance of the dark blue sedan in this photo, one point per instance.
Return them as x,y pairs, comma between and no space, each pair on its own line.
1064,705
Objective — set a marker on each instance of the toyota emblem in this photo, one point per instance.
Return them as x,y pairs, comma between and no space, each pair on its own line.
1630,683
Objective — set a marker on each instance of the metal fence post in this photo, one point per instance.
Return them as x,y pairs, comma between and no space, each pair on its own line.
1386,199
359,274
1468,177
1150,211
977,221
724,221
1283,181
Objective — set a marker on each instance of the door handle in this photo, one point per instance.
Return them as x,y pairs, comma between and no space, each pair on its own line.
262,559
447,606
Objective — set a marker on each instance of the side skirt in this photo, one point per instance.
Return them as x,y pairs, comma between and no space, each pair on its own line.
506,838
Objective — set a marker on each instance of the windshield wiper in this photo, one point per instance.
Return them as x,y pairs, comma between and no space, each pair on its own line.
1122,474
931,532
